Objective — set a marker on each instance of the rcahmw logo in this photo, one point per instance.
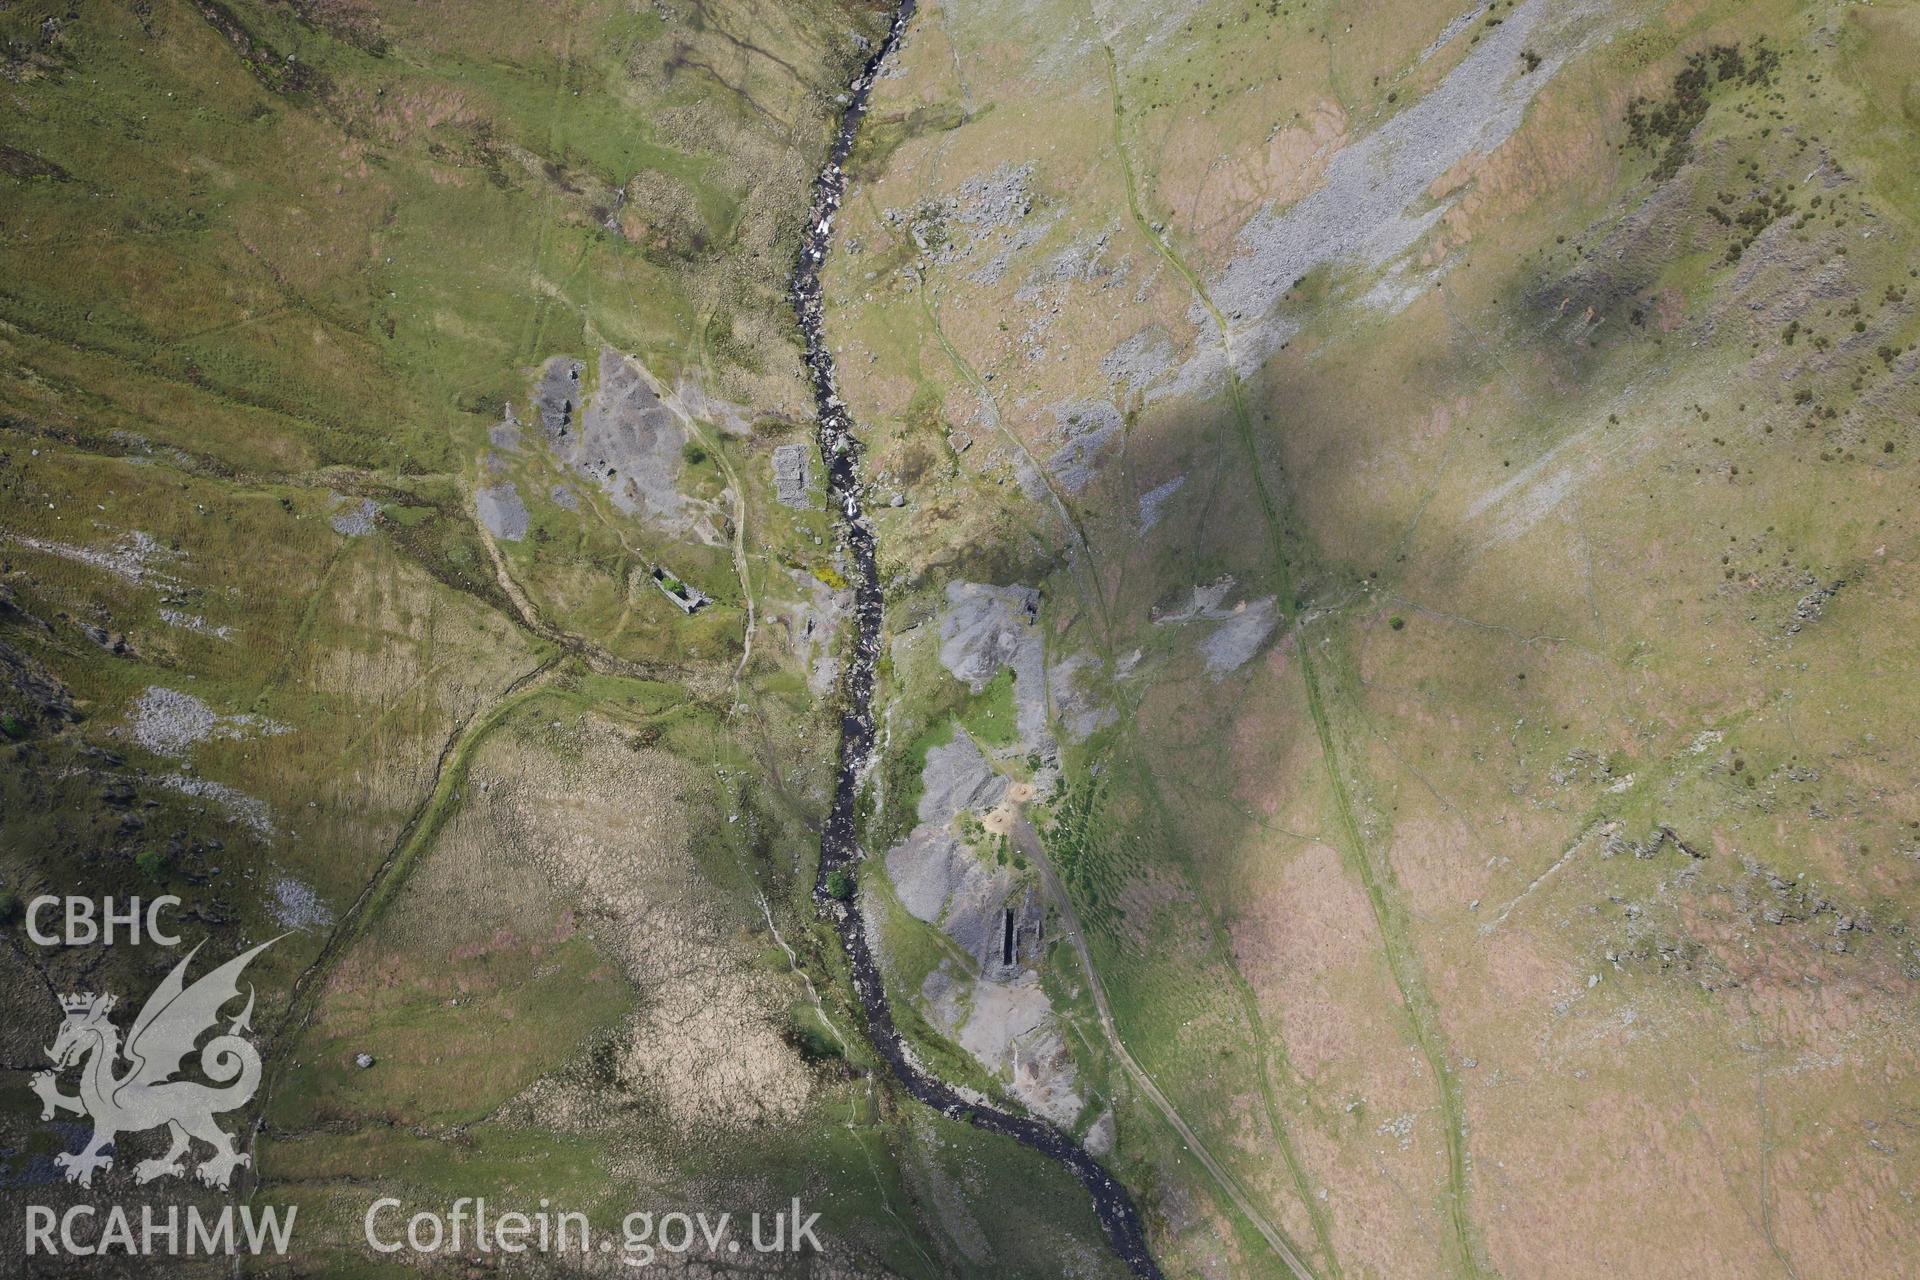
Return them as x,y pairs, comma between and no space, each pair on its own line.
157,1230
128,1087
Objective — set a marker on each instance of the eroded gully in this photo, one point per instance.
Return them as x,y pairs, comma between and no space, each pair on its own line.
839,845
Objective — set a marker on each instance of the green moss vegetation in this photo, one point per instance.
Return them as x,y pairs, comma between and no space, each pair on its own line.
882,135
903,770
988,716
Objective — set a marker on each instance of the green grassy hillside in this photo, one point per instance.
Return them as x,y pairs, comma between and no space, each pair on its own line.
313,620
1520,807
1395,717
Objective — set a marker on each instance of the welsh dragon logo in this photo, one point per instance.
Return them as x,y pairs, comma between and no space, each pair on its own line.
144,1095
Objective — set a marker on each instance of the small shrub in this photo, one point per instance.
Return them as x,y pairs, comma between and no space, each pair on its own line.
1397,622
839,885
